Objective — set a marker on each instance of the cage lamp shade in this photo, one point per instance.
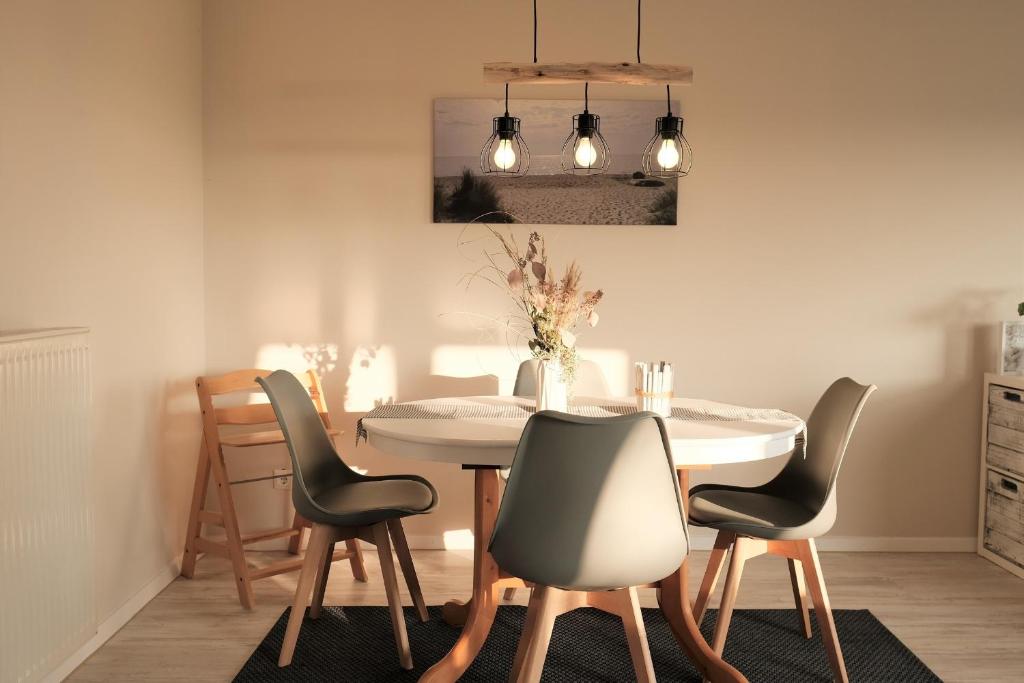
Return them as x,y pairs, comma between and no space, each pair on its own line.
585,151
505,153
668,154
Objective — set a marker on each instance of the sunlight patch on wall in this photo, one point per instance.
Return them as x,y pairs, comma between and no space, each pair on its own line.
466,360
372,378
298,357
615,364
295,358
458,539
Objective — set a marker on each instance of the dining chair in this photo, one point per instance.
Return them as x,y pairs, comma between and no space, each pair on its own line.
212,464
783,517
344,505
589,381
576,483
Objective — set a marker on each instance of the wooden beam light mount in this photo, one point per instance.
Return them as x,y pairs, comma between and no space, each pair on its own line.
561,73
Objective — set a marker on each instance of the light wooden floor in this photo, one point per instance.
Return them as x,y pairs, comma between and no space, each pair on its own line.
962,615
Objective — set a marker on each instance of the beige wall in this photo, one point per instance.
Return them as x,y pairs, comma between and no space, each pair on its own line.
854,209
101,225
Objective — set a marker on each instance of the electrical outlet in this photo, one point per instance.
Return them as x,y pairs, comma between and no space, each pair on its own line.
282,479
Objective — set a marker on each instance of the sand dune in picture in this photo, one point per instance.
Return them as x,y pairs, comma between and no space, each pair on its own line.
566,199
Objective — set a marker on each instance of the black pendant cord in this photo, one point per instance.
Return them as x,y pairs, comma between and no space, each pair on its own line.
638,30
668,98
506,99
586,97
534,31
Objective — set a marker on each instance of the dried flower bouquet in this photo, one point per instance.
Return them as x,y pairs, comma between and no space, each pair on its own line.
553,307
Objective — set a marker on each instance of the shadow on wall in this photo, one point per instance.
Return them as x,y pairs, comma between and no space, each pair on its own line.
971,336
180,431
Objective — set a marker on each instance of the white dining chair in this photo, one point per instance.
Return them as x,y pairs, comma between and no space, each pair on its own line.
589,381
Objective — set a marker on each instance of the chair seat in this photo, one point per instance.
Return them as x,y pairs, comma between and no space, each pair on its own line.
369,501
753,513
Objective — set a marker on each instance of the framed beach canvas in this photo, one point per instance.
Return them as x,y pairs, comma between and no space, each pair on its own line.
1011,355
545,195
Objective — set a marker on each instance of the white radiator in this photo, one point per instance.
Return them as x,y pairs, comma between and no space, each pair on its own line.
47,604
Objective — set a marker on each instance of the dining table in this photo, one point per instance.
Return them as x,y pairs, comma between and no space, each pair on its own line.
481,434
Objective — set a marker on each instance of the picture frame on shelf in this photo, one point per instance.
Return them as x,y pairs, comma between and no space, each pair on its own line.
1011,348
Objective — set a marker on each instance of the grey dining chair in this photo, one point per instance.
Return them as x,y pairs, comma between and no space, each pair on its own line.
578,482
590,381
783,517
342,504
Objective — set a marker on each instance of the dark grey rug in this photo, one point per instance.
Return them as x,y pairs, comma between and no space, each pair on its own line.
356,644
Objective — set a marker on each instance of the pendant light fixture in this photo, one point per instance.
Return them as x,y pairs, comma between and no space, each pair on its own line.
585,151
505,153
668,154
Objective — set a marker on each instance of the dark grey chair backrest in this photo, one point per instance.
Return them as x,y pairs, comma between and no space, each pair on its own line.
590,381
811,480
591,503
316,466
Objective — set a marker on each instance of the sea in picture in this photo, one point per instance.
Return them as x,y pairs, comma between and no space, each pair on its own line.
621,196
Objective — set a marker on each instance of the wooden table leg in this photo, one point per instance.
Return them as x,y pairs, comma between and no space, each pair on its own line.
684,492
455,612
677,608
675,605
484,603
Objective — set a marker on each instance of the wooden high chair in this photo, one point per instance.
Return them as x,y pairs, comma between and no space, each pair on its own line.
211,461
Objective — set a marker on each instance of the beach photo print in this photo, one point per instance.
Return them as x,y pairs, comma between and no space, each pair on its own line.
622,195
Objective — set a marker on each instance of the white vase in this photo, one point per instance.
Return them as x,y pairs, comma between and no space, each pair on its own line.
552,391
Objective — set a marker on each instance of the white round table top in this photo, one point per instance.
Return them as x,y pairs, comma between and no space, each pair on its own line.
493,441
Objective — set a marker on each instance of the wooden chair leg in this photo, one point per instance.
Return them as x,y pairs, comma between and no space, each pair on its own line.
236,551
355,559
295,542
320,587
510,594
636,636
387,570
732,587
822,608
319,540
195,527
539,636
796,577
408,568
529,626
714,569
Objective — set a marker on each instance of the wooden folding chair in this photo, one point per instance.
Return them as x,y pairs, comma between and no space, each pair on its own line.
212,461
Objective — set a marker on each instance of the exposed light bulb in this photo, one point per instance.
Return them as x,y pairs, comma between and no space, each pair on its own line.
586,155
505,155
668,155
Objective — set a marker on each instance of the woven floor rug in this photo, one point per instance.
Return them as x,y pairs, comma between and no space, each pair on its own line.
356,644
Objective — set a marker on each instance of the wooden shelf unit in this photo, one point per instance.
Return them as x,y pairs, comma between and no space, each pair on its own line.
1001,473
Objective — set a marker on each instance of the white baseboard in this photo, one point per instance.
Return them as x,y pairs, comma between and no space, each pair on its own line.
897,544
112,624
703,540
